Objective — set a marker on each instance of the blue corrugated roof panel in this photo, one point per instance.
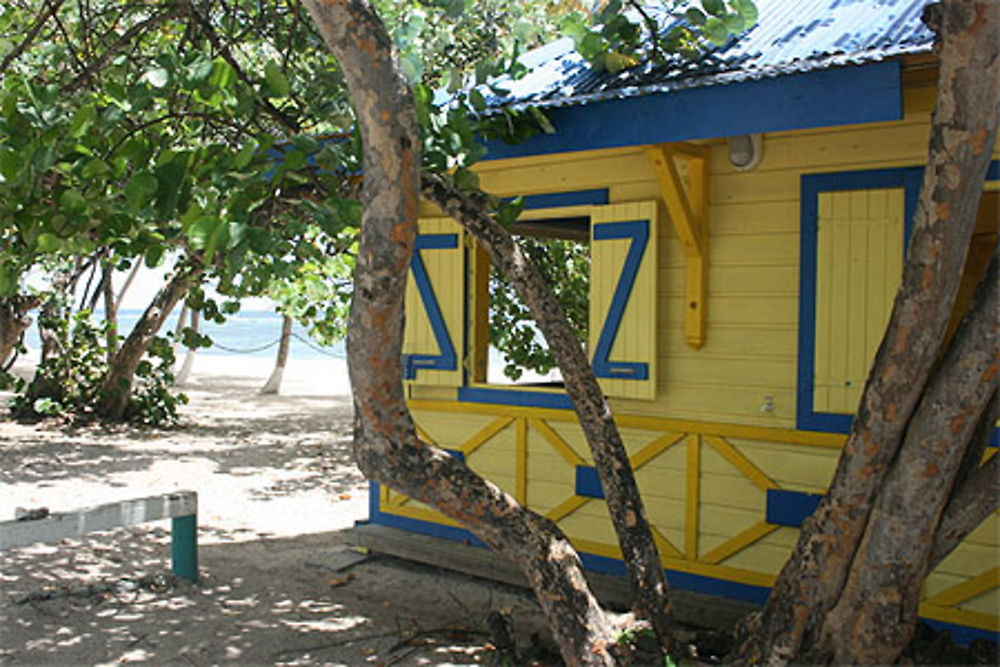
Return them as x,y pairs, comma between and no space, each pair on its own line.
790,36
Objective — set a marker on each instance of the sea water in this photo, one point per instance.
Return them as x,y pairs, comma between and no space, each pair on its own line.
252,333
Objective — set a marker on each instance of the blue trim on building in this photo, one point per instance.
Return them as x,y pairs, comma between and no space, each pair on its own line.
963,635
681,580
839,96
790,508
908,178
447,359
458,454
588,482
593,197
638,232
515,397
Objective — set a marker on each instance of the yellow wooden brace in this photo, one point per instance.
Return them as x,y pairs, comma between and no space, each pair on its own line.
688,210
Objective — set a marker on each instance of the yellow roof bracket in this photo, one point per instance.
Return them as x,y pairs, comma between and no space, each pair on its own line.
686,201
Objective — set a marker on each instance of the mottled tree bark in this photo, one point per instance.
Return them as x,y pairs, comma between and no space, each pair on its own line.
386,444
621,491
117,385
273,383
14,321
976,494
962,137
876,612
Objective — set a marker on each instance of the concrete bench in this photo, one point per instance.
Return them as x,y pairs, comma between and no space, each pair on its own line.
180,506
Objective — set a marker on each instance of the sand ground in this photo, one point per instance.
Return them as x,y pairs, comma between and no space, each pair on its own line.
278,494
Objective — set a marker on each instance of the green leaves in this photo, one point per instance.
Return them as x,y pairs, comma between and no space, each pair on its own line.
140,189
276,80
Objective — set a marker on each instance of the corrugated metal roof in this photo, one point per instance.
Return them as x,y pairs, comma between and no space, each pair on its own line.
790,36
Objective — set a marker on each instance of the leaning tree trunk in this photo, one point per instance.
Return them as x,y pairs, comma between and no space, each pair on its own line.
185,372
117,385
387,447
110,311
273,383
817,590
621,491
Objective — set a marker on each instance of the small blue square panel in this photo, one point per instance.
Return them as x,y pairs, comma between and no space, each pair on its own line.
588,483
456,454
790,508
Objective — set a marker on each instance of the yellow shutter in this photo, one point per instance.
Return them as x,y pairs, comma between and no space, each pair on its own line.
433,340
859,263
623,298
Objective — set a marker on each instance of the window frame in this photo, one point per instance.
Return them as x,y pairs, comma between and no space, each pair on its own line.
908,178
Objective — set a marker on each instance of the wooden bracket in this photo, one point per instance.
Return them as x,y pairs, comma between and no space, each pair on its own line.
687,206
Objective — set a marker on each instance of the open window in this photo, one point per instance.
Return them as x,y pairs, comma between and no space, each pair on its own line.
613,307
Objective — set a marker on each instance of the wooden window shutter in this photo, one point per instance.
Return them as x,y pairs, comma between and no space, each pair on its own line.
859,264
434,337
623,298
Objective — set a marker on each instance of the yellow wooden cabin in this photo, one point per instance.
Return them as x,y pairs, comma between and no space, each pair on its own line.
747,226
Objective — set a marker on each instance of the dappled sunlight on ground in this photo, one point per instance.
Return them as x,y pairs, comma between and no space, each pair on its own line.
278,493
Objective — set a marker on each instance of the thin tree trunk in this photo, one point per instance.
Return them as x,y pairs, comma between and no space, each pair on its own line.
185,372
117,385
273,384
128,283
621,491
962,137
386,444
110,311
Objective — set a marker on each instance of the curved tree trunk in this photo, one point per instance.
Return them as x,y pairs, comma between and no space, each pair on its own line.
387,447
117,385
833,548
621,491
273,384
185,372
14,321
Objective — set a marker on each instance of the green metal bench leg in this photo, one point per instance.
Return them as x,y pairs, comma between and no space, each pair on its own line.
184,547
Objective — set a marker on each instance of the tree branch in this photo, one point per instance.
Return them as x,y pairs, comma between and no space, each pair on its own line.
277,114
596,419
975,498
50,9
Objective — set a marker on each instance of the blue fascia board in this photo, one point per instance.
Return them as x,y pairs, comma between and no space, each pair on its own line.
842,96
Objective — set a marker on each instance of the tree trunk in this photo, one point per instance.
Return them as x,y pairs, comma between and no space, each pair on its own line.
117,385
273,384
797,615
185,372
14,321
110,311
386,444
877,608
621,491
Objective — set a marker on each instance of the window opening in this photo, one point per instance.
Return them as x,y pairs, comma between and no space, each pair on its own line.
517,353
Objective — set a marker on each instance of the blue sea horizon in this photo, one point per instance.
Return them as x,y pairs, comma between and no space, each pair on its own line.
251,333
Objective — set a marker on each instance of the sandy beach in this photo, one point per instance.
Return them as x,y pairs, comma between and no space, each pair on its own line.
277,492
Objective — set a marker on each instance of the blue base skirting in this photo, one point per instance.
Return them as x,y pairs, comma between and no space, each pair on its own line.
686,581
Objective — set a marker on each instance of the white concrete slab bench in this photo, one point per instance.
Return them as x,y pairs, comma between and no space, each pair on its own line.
180,506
